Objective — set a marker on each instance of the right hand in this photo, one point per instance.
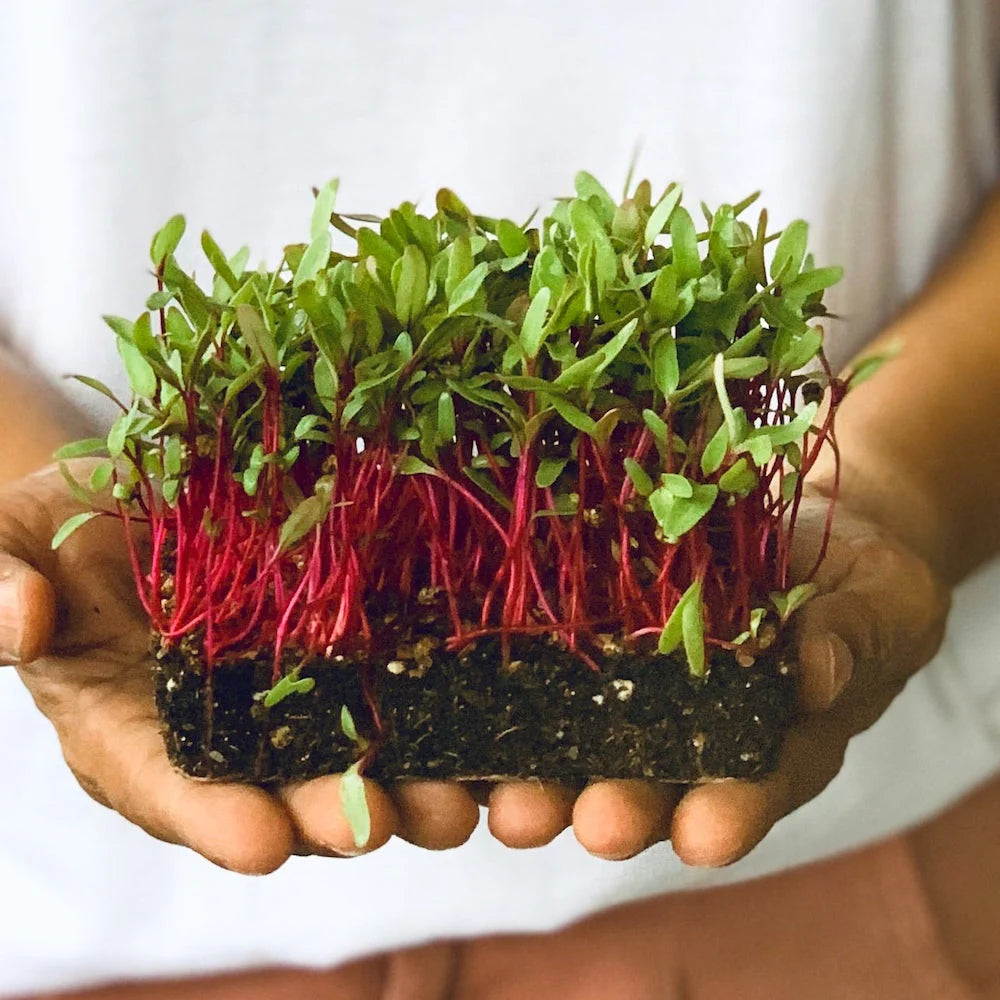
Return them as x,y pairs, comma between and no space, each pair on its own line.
74,629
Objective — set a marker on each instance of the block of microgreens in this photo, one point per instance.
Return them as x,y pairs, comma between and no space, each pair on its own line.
452,496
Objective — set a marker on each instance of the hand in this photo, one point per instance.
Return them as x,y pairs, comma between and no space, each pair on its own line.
878,618
71,623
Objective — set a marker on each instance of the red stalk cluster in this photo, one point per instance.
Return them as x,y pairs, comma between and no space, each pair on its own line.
217,570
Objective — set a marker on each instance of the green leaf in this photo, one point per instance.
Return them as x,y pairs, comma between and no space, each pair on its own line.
355,805
159,300
549,470
547,272
661,214
350,730
626,222
120,325
810,282
591,232
718,374
323,209
677,515
218,261
786,604
459,264
533,324
866,366
410,465
288,685
511,238
790,252
715,451
666,370
743,367
590,189
583,370
663,295
684,244
672,634
313,261
466,290
81,449
118,433
101,476
802,350
740,478
78,491
256,334
640,480
70,525
171,490
166,240
680,486
793,431
172,456
326,383
573,415
686,625
310,513
412,284
744,345
445,418
140,374
656,425
789,483
761,449
693,628
485,482
605,427
244,379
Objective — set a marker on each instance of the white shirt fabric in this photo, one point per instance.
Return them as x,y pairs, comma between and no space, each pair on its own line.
875,121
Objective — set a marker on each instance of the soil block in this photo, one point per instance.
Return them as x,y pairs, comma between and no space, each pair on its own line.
466,716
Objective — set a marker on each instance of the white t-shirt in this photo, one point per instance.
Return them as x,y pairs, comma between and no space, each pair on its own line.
876,121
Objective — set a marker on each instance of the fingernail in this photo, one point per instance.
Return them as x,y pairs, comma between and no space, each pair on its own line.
841,666
11,615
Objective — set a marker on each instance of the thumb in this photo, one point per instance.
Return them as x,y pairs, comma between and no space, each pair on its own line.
27,611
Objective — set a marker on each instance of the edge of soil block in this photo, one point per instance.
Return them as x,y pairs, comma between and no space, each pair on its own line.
466,716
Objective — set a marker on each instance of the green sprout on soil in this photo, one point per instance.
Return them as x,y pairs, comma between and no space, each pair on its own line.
352,787
599,424
290,683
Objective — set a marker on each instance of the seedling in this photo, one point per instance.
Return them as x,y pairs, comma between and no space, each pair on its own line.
454,447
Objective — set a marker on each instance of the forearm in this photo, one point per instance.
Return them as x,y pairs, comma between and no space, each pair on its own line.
920,441
34,420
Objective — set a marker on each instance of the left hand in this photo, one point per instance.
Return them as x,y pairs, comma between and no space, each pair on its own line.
879,616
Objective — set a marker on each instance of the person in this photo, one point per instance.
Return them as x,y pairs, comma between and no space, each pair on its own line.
878,122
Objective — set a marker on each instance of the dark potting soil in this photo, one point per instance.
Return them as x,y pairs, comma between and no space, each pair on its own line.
444,715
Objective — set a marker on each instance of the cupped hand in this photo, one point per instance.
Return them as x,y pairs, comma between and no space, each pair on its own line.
72,626
879,616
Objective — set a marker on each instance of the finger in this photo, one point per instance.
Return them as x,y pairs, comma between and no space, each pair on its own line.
238,827
616,820
525,814
27,611
436,815
321,824
885,620
826,665
719,823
